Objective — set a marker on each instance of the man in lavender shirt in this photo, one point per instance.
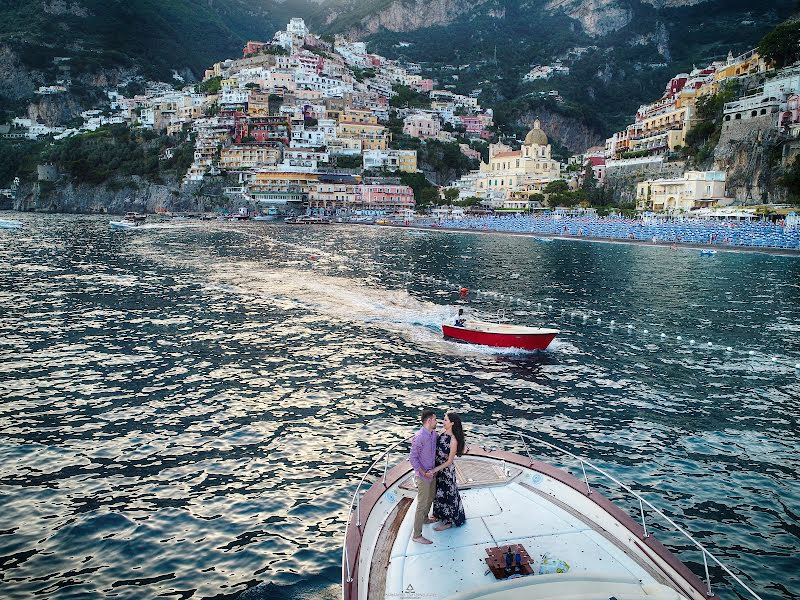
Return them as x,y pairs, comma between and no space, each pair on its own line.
423,458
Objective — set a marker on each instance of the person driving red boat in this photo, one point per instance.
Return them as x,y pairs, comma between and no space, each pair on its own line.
461,319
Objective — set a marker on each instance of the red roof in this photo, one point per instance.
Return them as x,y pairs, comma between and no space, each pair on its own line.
597,161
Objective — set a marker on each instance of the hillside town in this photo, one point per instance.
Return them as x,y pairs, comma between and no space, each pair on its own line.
299,121
304,123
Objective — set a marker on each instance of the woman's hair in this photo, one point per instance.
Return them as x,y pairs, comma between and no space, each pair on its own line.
458,432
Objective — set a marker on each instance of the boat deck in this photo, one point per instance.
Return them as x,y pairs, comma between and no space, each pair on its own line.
518,507
507,329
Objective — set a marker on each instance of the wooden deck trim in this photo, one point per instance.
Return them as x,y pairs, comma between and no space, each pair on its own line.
354,534
383,549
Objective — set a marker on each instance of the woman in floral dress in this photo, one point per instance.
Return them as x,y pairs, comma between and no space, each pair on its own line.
447,506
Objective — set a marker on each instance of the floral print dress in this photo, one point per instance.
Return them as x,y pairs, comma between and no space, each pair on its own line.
447,504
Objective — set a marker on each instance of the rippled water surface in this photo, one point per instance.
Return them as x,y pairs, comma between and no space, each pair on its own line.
185,407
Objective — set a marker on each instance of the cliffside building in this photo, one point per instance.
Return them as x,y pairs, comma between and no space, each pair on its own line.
513,173
696,189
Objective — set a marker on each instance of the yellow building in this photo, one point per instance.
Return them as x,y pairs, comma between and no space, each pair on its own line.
214,71
407,160
696,189
352,115
247,156
391,160
665,131
332,192
745,64
528,168
373,137
282,187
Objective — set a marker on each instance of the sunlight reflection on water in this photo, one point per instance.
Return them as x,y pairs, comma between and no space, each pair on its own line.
186,408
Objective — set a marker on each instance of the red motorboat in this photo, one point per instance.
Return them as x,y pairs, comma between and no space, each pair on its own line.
500,335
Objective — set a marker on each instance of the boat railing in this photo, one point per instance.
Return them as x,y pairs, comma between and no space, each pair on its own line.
355,503
524,438
384,459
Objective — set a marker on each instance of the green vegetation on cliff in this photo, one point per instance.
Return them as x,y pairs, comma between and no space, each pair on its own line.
703,137
18,158
782,44
110,155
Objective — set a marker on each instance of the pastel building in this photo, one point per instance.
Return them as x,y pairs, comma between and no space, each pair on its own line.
247,156
334,193
421,126
391,160
373,137
512,173
387,198
696,189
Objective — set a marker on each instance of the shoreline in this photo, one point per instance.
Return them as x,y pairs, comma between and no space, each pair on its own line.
787,252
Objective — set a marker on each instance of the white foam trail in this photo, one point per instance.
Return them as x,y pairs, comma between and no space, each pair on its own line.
344,300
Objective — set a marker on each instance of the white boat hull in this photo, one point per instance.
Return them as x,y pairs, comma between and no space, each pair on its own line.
508,499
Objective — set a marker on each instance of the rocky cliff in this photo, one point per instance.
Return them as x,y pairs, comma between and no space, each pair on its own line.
406,15
598,17
567,131
752,158
17,82
54,110
134,194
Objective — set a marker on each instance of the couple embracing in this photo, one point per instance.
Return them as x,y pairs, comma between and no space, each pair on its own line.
432,456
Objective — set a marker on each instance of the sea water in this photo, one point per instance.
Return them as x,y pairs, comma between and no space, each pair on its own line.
186,408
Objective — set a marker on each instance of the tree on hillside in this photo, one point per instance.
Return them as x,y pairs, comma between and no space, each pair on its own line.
210,86
409,98
589,182
556,187
782,44
703,137
791,181
451,195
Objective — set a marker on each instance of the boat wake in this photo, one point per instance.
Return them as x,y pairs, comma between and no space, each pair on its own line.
342,300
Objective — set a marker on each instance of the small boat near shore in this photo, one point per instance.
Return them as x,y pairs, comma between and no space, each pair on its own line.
501,335
10,224
307,220
707,252
564,538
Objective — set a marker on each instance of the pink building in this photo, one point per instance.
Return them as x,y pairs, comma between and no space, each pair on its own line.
425,85
252,48
387,197
421,126
598,168
476,123
790,116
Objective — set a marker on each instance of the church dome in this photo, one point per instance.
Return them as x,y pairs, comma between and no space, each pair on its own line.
536,137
